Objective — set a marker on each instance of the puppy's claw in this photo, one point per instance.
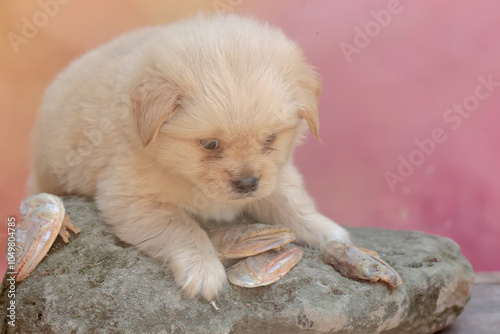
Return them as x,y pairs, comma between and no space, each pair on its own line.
356,262
247,240
265,268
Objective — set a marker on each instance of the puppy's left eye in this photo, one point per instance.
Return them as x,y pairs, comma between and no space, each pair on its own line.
209,144
271,138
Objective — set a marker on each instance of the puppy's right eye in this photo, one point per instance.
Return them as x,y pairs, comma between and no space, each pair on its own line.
271,138
209,144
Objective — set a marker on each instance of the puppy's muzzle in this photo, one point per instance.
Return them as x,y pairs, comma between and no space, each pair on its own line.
246,184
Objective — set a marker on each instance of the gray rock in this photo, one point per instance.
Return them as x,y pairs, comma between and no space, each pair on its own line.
97,284
482,315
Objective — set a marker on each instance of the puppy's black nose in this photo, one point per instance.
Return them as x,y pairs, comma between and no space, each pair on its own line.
246,184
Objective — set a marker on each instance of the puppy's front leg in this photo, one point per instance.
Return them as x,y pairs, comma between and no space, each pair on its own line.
290,205
169,234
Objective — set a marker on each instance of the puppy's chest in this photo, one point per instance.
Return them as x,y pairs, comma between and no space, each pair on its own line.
220,211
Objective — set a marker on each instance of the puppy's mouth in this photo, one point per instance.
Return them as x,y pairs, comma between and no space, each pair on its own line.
235,196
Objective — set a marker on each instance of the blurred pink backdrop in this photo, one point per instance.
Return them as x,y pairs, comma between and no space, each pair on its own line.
395,74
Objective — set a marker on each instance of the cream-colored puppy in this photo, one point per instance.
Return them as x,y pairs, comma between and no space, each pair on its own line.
170,126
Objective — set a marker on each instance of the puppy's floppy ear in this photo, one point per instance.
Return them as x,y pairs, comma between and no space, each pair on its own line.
307,95
154,100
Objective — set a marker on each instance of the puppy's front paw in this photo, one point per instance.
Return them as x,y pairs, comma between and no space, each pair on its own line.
200,275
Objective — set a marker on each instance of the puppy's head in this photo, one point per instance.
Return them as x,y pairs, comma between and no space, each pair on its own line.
223,106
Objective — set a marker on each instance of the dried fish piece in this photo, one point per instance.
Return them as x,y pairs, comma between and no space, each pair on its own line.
247,240
265,268
357,262
43,218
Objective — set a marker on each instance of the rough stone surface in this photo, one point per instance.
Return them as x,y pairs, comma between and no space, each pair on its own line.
97,284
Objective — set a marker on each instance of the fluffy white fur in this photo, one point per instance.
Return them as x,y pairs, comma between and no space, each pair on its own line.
126,123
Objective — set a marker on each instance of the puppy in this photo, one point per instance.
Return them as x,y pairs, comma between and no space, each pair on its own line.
167,127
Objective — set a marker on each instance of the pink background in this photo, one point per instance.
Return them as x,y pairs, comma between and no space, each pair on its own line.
394,91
